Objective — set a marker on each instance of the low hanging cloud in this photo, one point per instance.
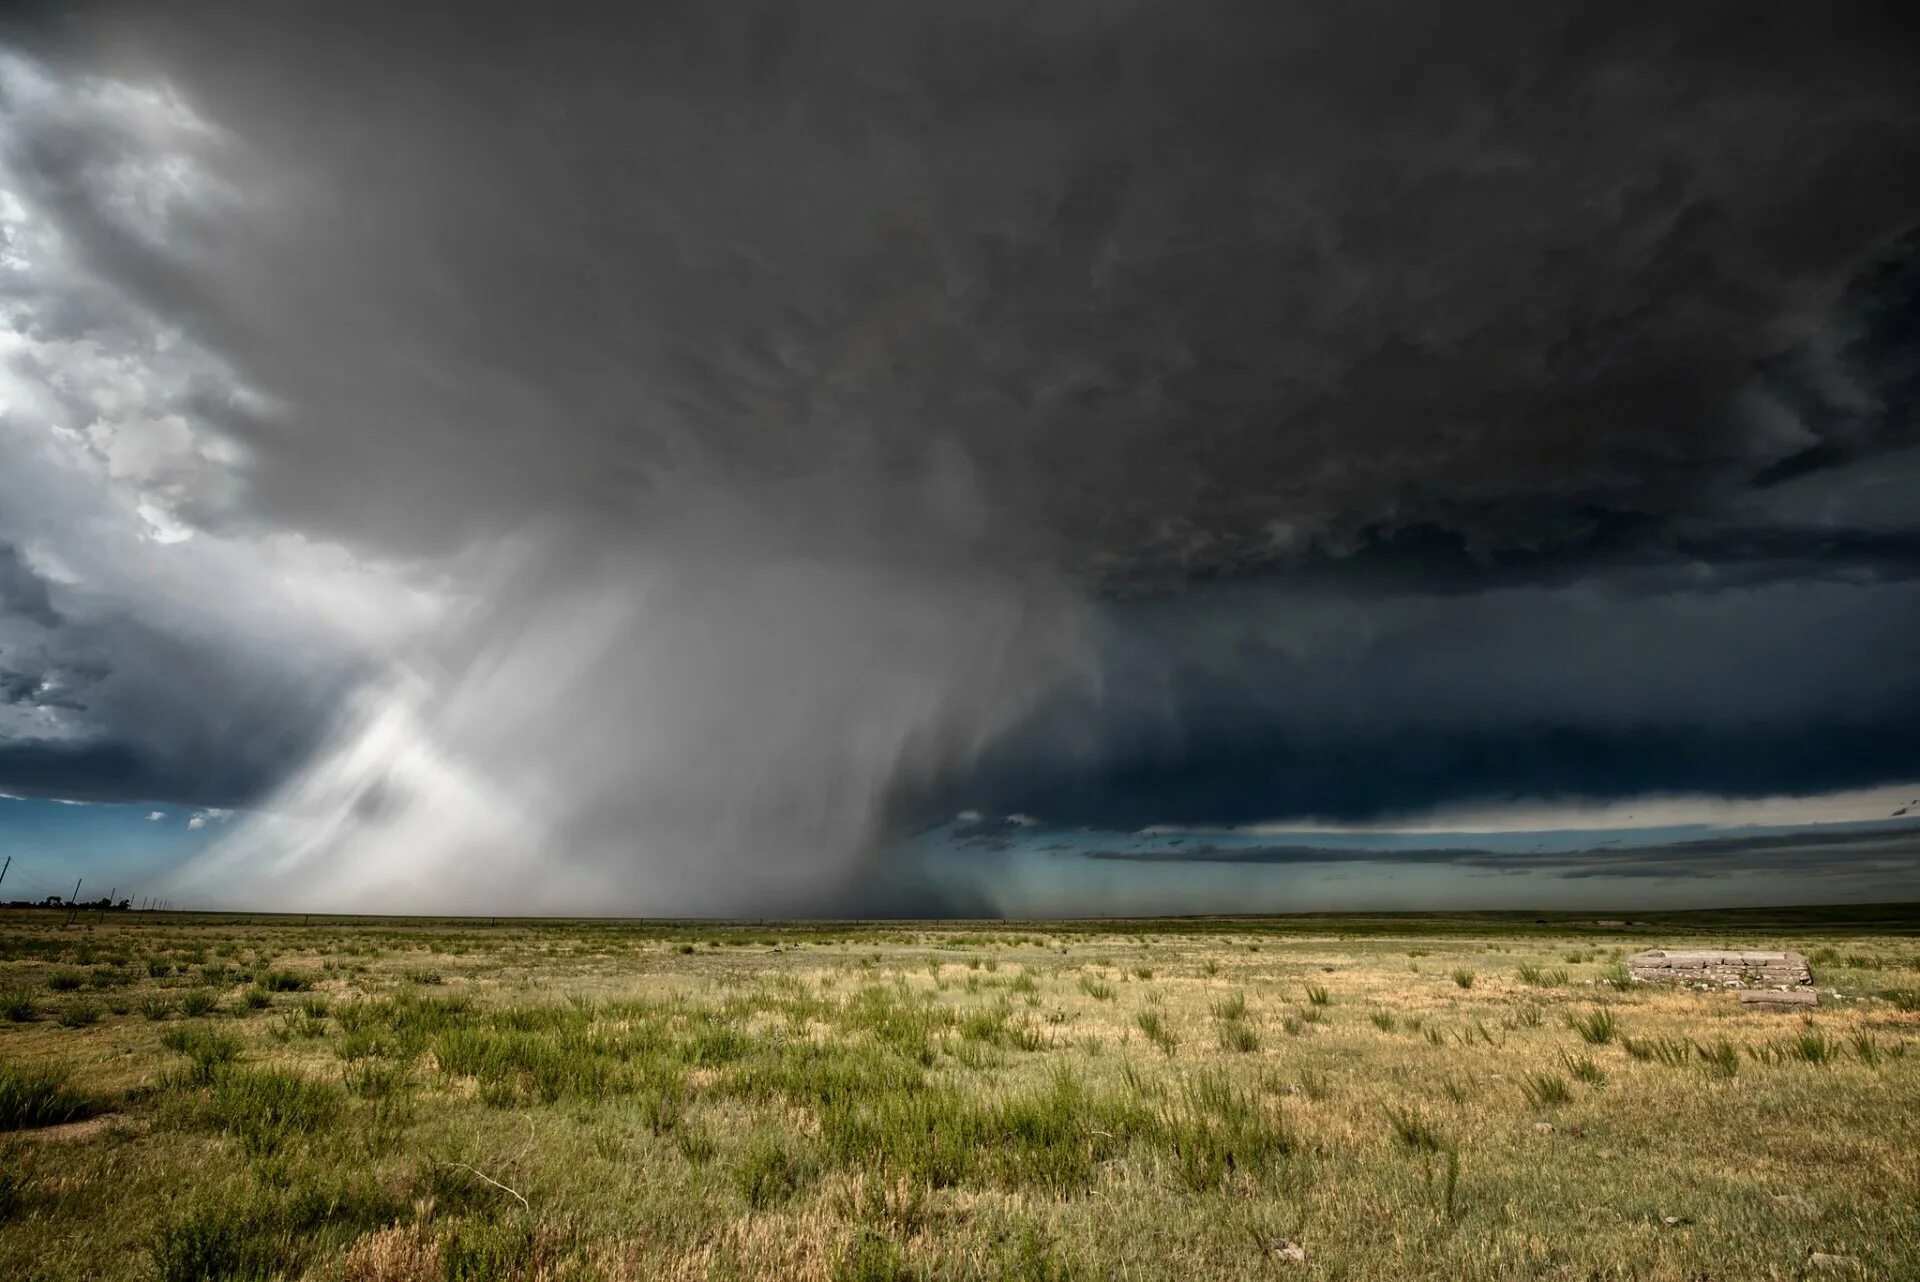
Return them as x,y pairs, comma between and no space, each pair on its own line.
650,462
1853,849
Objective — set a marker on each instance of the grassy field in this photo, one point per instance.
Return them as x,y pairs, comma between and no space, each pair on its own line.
1398,1097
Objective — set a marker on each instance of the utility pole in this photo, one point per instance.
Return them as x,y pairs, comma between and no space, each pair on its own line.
4,867
73,904
102,914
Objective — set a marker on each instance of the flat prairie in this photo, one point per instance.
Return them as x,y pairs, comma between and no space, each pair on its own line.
1470,1096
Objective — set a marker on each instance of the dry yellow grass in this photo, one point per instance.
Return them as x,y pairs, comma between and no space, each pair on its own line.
1141,1100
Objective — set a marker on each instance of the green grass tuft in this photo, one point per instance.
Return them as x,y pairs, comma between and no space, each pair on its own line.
268,1108
1545,1090
39,1097
1596,1027
1413,1130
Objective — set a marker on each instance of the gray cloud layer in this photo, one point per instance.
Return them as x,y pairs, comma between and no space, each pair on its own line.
798,420
1889,851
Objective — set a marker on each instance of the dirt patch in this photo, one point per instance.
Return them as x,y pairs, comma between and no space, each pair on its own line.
66,1132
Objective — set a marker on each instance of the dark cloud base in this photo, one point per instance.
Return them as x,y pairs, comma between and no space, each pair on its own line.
1153,413
1244,779
1890,851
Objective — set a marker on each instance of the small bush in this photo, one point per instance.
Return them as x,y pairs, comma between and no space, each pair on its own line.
1463,977
66,981
1096,989
16,1004
155,1007
285,981
196,1002
1318,996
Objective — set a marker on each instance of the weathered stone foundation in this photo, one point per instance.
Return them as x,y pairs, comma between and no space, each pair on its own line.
1711,966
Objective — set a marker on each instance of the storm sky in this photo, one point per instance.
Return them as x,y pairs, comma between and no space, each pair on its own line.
750,458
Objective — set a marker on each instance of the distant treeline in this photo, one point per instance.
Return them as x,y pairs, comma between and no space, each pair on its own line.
102,904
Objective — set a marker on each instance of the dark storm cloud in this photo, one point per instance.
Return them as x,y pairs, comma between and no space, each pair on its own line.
1262,701
1395,771
1881,851
1120,413
24,593
1189,289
